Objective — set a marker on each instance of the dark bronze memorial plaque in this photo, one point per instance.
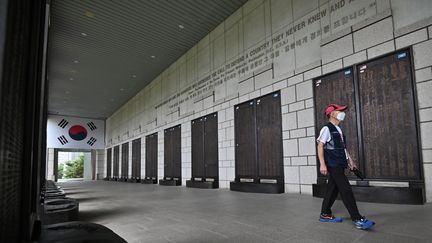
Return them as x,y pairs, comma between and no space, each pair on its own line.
381,125
205,147
198,162
245,140
176,152
125,161
269,137
168,153
109,163
116,161
258,140
338,88
211,146
205,169
151,156
172,156
136,158
389,118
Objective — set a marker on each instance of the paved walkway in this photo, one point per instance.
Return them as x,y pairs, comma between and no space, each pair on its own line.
152,213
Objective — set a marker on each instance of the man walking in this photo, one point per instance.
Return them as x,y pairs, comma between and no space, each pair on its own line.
334,159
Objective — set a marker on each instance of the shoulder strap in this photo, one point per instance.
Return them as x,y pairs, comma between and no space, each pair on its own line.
331,127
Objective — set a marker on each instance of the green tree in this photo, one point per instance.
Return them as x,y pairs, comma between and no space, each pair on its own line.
60,170
75,168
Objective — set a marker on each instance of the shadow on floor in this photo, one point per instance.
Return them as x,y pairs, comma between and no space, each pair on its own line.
98,214
76,192
89,199
71,188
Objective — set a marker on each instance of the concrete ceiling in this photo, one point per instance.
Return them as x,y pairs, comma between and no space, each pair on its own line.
102,52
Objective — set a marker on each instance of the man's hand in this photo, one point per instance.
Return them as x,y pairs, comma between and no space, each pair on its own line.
352,163
323,169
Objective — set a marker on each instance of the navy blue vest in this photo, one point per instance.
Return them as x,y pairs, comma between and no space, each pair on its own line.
334,150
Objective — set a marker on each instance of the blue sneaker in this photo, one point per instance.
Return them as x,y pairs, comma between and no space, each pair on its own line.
364,224
329,218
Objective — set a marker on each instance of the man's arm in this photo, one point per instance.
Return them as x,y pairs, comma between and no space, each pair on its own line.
323,167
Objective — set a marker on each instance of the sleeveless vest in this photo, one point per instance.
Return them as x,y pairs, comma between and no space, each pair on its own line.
334,150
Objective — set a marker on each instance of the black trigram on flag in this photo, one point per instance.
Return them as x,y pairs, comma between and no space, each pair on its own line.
91,141
92,126
63,140
63,123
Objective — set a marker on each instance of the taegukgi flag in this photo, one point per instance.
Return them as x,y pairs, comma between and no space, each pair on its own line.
75,133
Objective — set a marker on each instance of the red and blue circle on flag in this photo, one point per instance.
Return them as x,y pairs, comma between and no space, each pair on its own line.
77,132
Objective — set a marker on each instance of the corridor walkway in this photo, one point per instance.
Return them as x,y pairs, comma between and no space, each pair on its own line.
156,214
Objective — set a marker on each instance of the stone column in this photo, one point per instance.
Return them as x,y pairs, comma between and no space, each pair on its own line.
50,164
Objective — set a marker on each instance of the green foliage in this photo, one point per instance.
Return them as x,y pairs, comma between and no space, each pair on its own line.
60,170
75,168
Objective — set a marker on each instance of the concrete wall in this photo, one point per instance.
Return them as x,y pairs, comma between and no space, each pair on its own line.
100,164
87,174
270,45
50,165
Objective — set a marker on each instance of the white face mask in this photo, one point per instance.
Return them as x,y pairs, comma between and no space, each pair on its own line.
340,116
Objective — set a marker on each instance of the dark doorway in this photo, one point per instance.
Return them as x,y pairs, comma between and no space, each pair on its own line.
258,140
205,169
172,157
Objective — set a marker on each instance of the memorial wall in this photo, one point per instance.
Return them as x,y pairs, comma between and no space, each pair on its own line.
272,45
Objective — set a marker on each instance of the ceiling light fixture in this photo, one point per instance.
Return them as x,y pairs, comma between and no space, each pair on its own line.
89,14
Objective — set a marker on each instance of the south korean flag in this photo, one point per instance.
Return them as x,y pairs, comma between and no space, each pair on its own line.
75,133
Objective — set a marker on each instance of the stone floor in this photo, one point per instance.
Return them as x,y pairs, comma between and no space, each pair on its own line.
152,213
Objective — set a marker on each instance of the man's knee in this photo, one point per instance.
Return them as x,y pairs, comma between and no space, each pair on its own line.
345,190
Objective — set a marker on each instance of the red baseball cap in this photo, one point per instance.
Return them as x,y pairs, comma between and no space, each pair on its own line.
334,107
